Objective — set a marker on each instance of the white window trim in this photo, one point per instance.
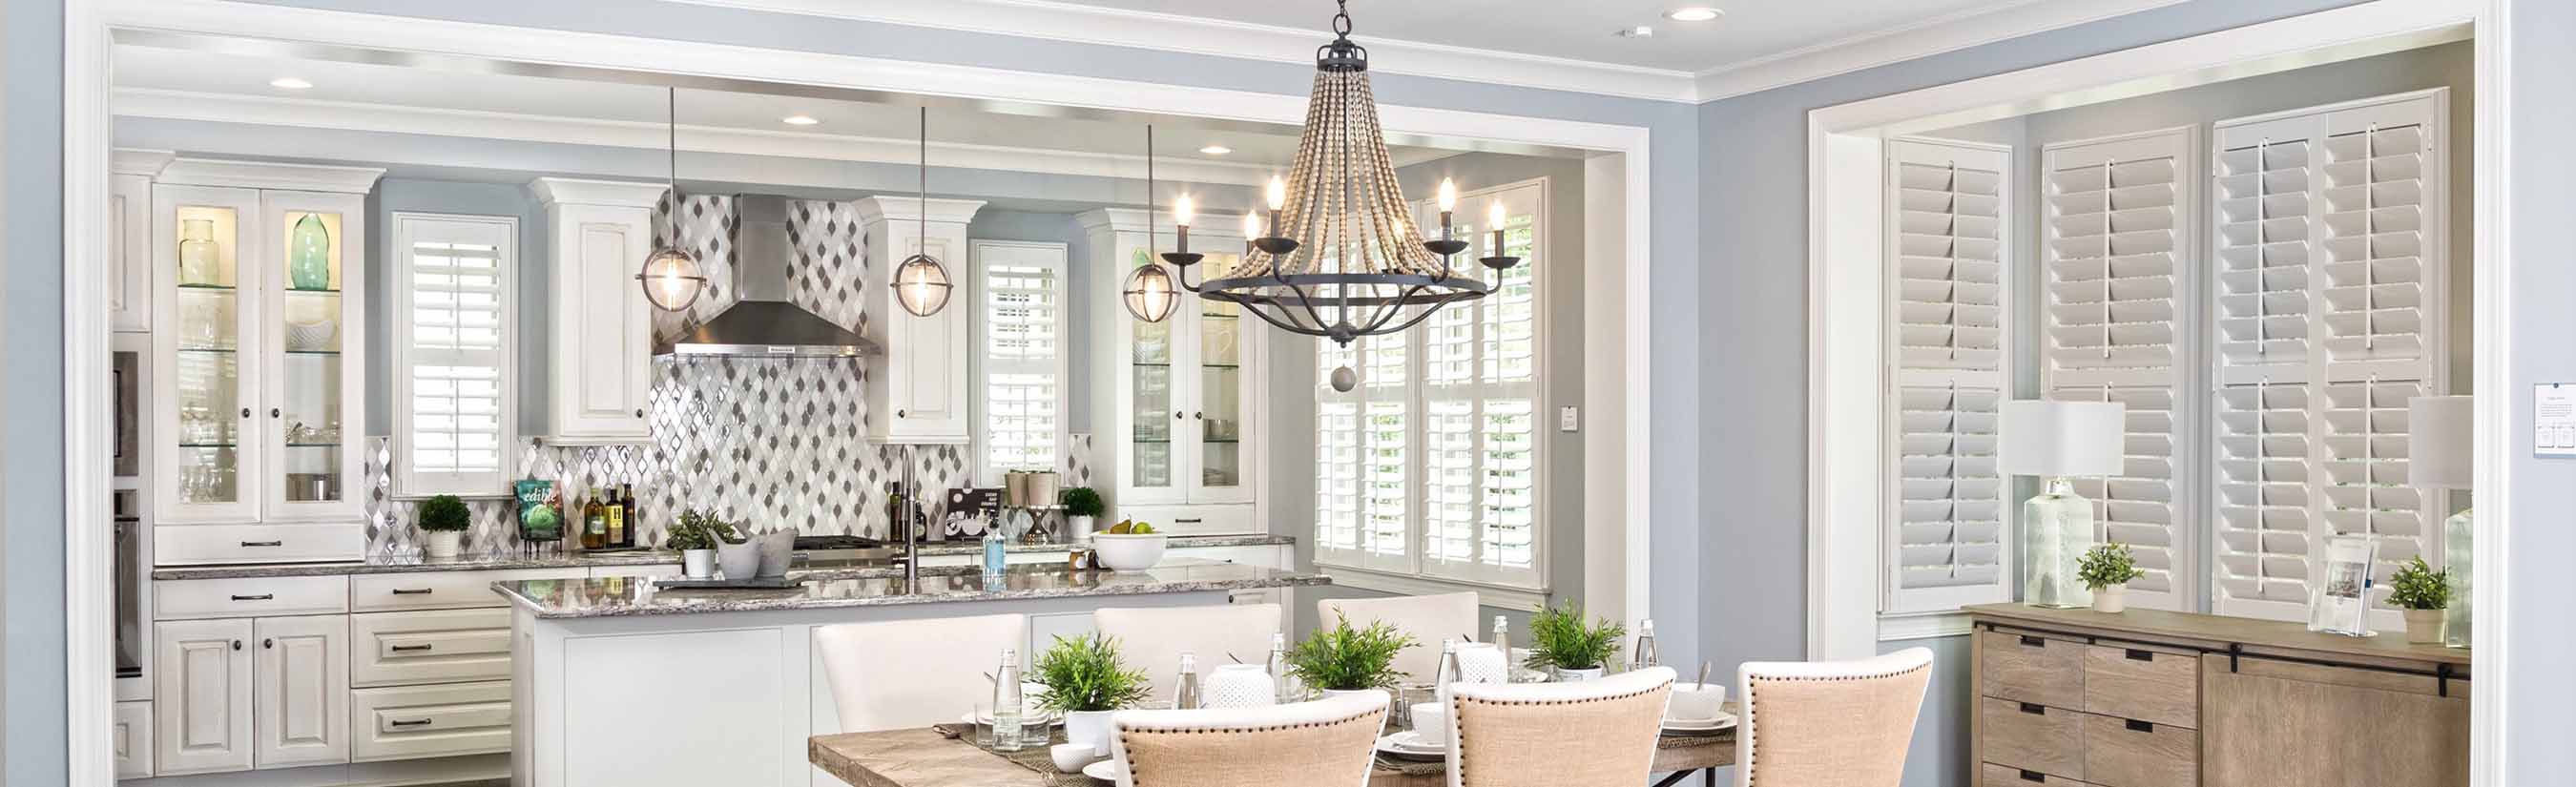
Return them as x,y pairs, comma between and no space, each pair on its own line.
1359,568
985,473
405,484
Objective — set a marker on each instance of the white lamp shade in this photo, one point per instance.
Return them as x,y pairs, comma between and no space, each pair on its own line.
2439,433
2051,438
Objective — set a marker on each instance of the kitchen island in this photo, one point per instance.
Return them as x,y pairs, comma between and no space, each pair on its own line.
619,681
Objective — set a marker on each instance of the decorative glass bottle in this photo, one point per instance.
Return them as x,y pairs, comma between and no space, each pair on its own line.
1185,687
308,254
199,256
1503,645
996,552
2057,529
1645,655
1006,704
2457,555
1283,685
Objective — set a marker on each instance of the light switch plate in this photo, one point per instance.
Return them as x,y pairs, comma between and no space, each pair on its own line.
1568,418
2553,419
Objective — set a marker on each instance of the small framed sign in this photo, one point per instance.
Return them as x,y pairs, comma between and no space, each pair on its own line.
2341,603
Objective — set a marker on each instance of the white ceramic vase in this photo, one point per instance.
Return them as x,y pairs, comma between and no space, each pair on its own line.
1077,528
2111,599
1563,675
1088,726
444,543
698,563
1239,686
2423,626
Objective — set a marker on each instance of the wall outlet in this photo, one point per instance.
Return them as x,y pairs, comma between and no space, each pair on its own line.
1568,418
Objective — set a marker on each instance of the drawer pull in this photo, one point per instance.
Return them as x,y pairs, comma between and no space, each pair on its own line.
2135,654
263,544
409,722
2140,726
413,591
2033,776
259,597
408,648
2034,709
2033,641
1187,521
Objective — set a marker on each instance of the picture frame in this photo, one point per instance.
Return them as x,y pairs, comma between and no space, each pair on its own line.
2339,602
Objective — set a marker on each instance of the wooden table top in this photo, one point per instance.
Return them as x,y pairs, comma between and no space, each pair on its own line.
924,758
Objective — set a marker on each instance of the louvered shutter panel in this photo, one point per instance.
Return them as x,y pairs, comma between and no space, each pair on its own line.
453,352
2333,272
1946,532
2117,275
1023,309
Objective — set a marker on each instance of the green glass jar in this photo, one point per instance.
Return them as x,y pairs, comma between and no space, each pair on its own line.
308,254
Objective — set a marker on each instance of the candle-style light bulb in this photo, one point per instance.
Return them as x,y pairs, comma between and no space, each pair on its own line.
1494,223
1251,230
1448,194
1181,211
1277,193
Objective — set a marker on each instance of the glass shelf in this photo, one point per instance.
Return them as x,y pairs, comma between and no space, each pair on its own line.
211,350
1152,364
1222,440
301,291
209,287
209,445
313,445
331,353
1220,366
1153,440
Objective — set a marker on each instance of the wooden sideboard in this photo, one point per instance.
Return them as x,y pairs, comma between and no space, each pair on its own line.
2147,698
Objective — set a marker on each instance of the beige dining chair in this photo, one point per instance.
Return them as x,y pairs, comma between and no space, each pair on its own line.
1330,741
1829,723
1430,619
1588,733
1153,638
905,674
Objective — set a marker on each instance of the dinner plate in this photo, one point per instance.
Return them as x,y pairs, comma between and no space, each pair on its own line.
1104,770
1722,721
1410,745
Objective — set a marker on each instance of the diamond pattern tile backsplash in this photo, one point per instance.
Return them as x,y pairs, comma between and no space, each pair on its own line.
776,443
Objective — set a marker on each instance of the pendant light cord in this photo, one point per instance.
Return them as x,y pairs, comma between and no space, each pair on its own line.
671,108
924,240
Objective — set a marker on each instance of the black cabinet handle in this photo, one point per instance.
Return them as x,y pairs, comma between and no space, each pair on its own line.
407,648
408,723
900,414
276,412
260,597
245,412
2139,726
2034,709
2135,654
1188,521
237,644
2033,641
639,412
2033,776
412,591
268,644
263,543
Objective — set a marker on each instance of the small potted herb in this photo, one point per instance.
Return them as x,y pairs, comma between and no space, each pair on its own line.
1082,510
1561,644
1343,660
695,536
1085,681
2106,570
444,519
2422,593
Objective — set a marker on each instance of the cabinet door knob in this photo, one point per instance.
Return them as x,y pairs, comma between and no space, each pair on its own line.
899,414
268,644
245,412
237,644
639,412
1176,415
275,412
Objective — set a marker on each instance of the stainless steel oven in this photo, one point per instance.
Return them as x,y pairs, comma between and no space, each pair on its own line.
131,524
128,440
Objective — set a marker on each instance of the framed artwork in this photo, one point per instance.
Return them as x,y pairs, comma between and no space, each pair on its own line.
2339,602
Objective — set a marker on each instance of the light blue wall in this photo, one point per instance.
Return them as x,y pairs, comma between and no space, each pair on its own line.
31,343
2536,210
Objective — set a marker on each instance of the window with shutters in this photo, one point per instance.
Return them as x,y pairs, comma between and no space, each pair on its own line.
1430,465
2117,216
1945,539
2332,273
1019,297
454,414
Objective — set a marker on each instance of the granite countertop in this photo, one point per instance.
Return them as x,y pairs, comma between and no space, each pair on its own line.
638,557
621,596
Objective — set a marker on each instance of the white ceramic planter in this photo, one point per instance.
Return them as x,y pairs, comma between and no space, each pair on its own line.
698,563
444,543
2111,599
1077,528
2423,626
1562,674
1088,726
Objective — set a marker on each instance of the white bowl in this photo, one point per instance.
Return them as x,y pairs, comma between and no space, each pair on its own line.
311,335
1128,551
1070,757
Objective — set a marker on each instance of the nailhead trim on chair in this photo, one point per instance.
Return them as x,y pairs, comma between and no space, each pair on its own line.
1455,705
1133,771
1752,751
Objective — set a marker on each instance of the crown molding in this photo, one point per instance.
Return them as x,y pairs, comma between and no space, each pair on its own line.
137,161
268,175
1950,33
873,210
606,193
1242,40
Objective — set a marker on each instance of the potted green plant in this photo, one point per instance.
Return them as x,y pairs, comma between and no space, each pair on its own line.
2422,593
1085,681
696,536
1082,510
2106,570
444,520
1563,645
1342,659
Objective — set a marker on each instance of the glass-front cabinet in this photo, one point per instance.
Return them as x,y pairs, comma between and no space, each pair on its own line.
259,329
1175,424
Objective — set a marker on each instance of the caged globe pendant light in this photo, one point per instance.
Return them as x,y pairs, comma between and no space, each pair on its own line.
1341,257
1151,293
921,284
671,277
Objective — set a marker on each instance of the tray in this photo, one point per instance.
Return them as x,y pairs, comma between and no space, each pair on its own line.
754,583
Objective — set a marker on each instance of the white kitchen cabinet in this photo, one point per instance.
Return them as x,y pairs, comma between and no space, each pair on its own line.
301,682
1176,402
919,393
202,696
433,646
129,238
132,739
599,378
411,722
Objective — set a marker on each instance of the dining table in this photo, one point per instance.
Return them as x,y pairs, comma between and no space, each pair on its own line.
927,757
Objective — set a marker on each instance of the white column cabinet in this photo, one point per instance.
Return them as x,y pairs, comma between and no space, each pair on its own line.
202,696
921,393
129,238
599,371
1175,403
301,680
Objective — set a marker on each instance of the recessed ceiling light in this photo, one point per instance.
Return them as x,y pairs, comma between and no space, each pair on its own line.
1216,150
799,120
289,83
1640,31
1696,13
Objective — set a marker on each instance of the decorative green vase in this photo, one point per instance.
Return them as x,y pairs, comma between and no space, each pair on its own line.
308,254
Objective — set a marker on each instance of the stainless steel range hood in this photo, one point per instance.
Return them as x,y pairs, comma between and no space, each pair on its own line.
763,324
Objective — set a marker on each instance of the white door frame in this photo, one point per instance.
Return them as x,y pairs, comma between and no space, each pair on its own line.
1847,353
86,144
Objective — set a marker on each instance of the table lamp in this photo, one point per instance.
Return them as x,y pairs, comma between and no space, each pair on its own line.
2440,432
2055,440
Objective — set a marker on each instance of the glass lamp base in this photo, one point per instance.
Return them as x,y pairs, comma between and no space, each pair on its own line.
2457,557
2057,528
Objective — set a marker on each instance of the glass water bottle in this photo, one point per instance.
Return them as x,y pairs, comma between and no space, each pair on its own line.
1185,688
1645,652
1283,686
199,256
1503,645
1006,703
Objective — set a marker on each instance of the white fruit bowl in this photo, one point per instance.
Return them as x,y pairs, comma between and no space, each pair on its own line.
1128,551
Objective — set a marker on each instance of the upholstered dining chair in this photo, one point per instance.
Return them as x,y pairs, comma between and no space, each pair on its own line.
1153,638
942,660
1430,619
1330,741
1589,733
1829,723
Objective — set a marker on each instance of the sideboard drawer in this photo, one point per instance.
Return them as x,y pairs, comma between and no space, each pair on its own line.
430,646
242,597
176,545
2142,683
2131,753
2030,736
407,722
2032,668
441,589
1992,775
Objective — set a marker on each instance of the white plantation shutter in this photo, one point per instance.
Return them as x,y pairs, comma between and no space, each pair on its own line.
451,339
1945,535
2332,273
2117,273
1022,299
